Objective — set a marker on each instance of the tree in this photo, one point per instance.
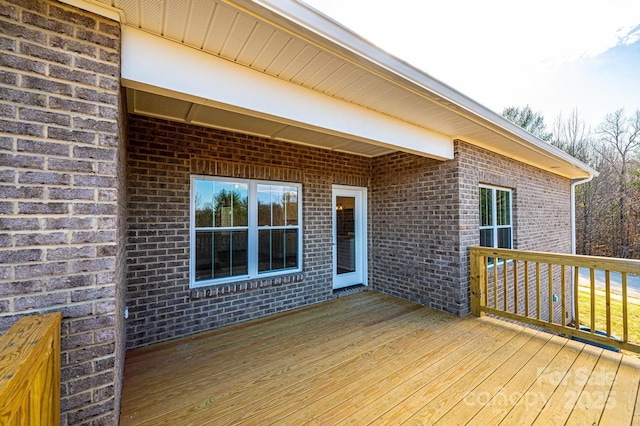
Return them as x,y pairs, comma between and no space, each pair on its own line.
531,121
621,135
572,135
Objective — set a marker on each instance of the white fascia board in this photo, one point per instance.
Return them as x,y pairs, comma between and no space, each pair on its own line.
333,36
97,8
152,61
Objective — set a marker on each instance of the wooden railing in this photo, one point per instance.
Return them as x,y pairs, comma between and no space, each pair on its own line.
30,371
542,289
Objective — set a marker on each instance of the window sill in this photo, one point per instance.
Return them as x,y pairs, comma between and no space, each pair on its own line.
219,290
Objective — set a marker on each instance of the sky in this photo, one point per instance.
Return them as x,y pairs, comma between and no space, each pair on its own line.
556,56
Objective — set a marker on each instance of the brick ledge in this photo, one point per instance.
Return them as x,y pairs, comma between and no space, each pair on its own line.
219,290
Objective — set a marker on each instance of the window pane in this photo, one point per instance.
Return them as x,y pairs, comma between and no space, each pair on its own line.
239,244
277,249
277,205
264,205
486,202
204,203
264,250
229,253
503,208
504,238
230,204
291,205
486,237
204,264
291,248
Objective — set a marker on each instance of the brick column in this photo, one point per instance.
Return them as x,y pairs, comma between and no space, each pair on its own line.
61,191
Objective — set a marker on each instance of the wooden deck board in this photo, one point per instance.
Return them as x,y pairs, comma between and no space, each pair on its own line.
374,359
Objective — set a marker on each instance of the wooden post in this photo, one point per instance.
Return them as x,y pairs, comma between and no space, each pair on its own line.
477,278
30,371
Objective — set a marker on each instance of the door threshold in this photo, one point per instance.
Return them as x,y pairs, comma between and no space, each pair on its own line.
349,290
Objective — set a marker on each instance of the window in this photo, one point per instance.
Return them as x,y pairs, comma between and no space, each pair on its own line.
242,229
495,217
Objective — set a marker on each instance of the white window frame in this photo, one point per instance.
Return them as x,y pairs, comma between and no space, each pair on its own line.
252,240
494,214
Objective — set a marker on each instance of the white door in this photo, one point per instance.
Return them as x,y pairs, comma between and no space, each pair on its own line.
349,236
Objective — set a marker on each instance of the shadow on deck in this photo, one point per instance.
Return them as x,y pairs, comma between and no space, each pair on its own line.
373,358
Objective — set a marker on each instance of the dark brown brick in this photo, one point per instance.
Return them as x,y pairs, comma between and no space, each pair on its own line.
7,111
21,192
20,128
40,116
40,147
72,194
71,135
68,282
22,63
97,67
72,45
9,11
41,301
40,239
95,125
8,78
97,38
47,86
47,54
14,30
22,161
69,74
81,19
22,97
39,270
73,106
20,287
48,24
19,224
97,96
43,208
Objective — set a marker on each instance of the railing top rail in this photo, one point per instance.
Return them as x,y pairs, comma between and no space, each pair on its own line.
631,266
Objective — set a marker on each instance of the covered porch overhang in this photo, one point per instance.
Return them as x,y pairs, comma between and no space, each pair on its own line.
281,69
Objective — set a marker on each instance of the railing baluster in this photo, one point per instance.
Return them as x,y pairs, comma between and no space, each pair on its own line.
515,286
526,287
495,282
592,277
538,290
563,289
505,292
550,273
607,275
625,320
485,282
576,297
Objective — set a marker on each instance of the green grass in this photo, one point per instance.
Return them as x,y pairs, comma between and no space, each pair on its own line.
633,313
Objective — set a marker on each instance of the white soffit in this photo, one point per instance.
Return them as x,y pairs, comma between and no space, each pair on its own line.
158,66
293,43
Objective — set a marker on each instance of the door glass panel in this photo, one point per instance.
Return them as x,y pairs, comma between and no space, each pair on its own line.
345,234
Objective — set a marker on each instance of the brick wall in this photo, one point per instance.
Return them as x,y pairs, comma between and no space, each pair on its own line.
541,212
60,189
162,156
425,216
415,237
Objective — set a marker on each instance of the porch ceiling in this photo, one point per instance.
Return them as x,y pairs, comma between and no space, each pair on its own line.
294,43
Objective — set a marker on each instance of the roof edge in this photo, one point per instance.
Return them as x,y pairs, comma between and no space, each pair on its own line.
327,33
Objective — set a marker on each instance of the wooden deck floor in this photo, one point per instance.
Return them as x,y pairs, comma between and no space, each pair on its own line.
372,358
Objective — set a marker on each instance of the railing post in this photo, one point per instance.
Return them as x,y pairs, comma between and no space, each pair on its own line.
477,278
